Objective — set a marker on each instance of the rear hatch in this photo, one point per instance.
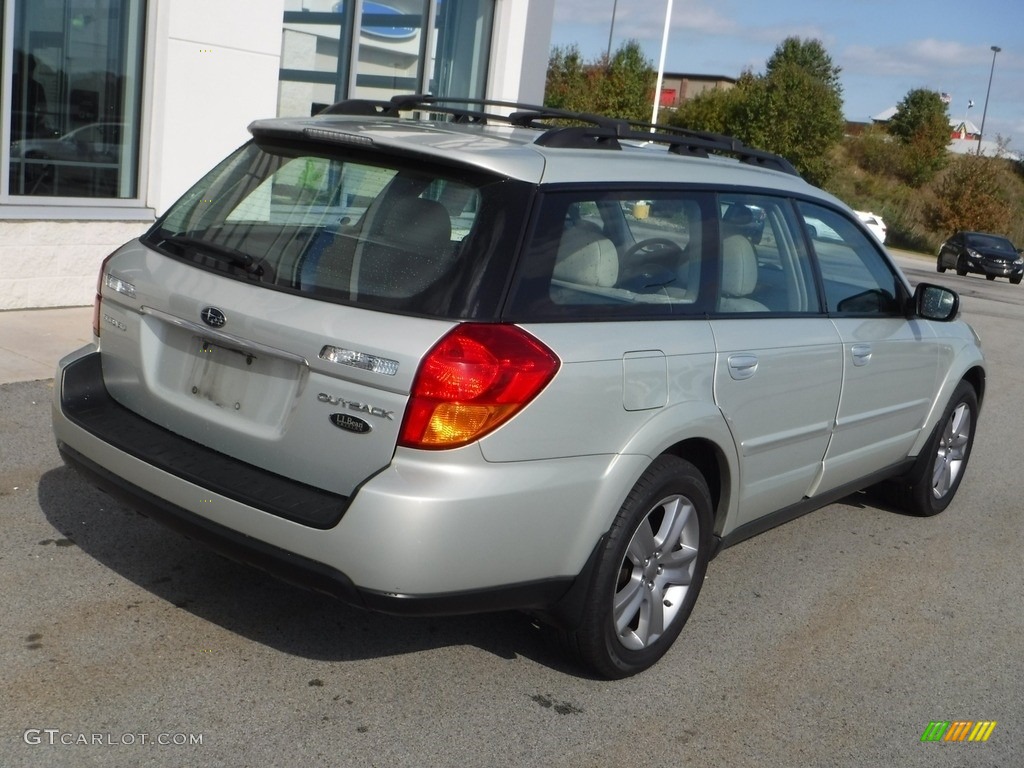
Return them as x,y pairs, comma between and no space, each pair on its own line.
278,313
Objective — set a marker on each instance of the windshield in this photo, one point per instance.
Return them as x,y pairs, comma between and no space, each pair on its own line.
357,228
994,242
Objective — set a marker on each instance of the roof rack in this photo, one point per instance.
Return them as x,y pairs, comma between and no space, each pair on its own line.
565,129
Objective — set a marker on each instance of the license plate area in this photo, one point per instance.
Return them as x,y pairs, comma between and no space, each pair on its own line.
253,385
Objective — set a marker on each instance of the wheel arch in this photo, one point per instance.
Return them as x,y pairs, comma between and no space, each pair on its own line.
694,430
976,378
711,461
966,364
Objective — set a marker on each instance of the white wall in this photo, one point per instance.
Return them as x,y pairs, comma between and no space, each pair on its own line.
216,71
519,53
55,263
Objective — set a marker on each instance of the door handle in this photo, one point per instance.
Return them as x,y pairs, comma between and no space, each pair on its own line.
861,354
742,366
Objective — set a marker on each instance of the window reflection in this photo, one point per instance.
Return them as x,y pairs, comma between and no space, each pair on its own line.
392,45
400,48
75,98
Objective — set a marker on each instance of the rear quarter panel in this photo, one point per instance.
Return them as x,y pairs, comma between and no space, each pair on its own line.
635,388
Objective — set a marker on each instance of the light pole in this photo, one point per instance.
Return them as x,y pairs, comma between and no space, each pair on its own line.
995,49
611,30
661,64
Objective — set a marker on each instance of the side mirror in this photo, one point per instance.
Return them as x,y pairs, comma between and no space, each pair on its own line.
934,302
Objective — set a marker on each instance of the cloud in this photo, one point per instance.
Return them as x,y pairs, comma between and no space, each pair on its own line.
645,21
916,57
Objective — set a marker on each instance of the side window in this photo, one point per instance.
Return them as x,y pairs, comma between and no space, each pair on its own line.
764,266
857,278
659,243
612,254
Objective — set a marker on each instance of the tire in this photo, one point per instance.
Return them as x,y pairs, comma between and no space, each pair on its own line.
1015,280
990,277
939,268
961,266
644,587
940,468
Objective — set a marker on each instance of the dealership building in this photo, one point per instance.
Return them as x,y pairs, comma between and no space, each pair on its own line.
114,108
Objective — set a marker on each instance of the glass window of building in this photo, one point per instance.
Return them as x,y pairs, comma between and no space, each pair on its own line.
373,50
76,86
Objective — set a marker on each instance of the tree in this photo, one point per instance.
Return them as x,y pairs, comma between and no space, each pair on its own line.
626,85
810,56
971,197
566,84
921,126
621,86
795,109
712,110
794,113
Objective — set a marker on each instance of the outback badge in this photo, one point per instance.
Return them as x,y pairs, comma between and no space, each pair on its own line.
350,423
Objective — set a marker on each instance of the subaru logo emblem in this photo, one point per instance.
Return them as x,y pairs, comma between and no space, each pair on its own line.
213,317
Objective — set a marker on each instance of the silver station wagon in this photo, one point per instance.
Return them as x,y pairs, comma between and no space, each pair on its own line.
436,357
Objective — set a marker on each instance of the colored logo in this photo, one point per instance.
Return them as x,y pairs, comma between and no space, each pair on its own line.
958,730
383,21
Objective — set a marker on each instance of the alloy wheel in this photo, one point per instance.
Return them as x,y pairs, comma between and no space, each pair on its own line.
656,572
952,450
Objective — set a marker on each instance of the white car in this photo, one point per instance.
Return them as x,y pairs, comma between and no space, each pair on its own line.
449,363
874,222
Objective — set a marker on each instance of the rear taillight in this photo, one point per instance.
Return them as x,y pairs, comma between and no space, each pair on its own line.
114,283
97,309
473,380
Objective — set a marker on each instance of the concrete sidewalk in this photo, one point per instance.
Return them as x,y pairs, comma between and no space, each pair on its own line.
33,340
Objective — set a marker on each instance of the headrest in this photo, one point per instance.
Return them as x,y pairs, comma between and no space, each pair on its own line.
586,257
417,224
739,215
739,266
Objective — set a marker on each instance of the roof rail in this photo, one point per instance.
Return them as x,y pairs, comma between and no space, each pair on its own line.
566,129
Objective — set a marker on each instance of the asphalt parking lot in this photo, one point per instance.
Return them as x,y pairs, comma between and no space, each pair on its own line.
832,641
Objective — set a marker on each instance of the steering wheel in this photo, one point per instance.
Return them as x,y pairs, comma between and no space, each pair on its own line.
655,246
650,263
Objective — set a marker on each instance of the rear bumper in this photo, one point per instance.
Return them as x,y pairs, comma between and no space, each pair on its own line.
433,533
305,572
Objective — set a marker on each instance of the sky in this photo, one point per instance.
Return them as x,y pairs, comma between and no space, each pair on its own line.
885,48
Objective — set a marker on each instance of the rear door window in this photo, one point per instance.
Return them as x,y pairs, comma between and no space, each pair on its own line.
610,254
765,266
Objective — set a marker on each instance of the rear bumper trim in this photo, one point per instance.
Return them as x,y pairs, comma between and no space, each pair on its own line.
84,400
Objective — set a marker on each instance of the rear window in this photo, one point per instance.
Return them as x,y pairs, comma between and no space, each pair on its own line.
357,228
